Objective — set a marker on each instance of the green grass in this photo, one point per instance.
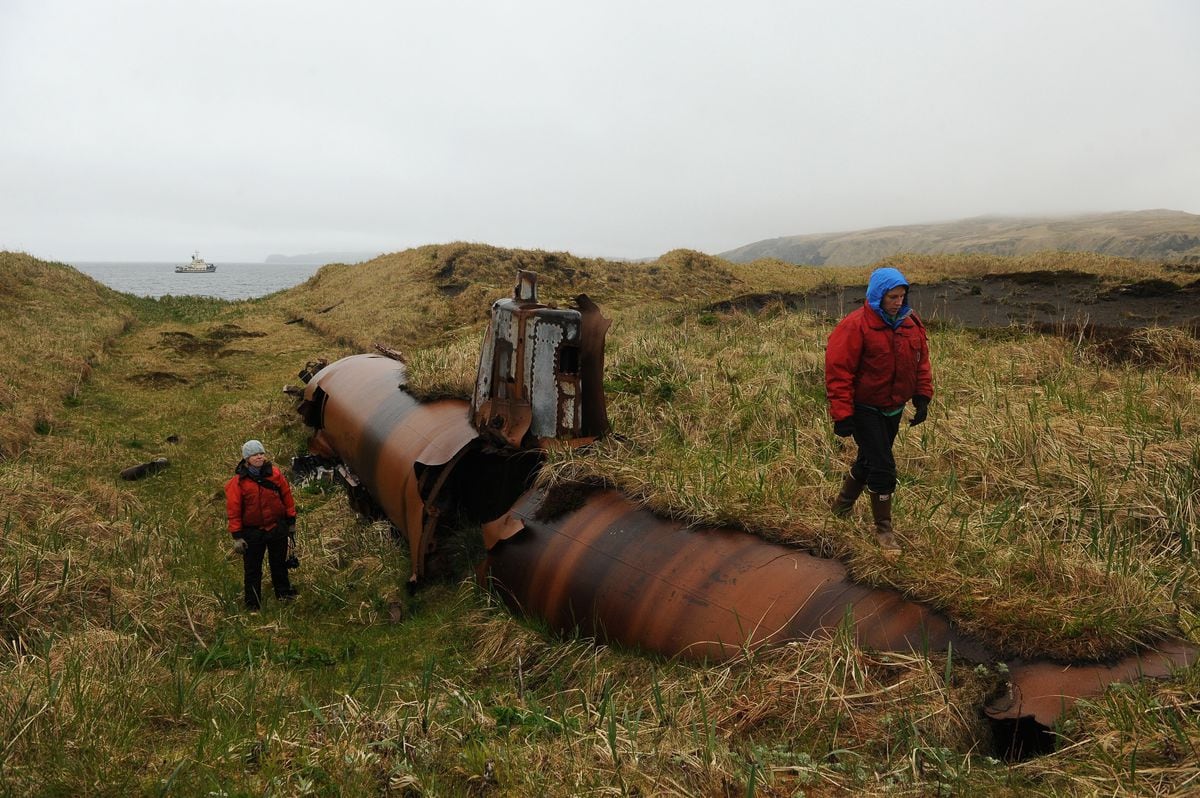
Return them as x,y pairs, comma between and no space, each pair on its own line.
1049,503
57,324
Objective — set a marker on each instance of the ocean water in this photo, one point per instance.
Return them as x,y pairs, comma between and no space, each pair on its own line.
229,281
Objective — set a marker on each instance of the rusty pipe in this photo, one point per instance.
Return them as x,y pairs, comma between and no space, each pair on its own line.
621,573
1043,690
403,451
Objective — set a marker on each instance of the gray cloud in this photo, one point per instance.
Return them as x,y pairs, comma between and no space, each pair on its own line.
140,130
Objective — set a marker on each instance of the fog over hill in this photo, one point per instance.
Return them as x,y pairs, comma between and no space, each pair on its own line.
1149,234
322,258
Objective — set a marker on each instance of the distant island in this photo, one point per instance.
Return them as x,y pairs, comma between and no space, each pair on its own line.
1162,235
322,258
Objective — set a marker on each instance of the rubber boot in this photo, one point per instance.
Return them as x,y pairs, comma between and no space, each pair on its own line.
881,511
843,503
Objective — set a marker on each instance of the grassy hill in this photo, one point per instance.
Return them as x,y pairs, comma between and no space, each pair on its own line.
1048,505
1150,235
57,324
416,297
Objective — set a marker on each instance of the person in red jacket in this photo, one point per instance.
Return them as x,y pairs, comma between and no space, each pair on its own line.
876,362
262,519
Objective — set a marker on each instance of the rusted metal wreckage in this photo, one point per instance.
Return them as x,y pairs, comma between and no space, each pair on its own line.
597,562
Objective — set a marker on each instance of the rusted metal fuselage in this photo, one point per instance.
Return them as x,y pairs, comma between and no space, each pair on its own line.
604,565
621,573
401,450
1043,690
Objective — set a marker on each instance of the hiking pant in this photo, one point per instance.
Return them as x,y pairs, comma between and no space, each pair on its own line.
275,545
875,433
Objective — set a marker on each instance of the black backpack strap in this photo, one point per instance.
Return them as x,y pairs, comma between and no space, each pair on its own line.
262,481
268,484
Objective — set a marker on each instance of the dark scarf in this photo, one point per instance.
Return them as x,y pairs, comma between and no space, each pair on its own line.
262,478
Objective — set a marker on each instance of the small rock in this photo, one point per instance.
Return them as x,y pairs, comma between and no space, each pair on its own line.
142,470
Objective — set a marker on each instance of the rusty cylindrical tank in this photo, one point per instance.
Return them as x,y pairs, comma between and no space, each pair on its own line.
621,573
618,572
401,450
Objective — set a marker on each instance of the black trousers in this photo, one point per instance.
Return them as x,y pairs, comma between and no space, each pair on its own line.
275,545
875,433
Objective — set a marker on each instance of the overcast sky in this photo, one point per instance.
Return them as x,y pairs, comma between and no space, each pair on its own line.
142,130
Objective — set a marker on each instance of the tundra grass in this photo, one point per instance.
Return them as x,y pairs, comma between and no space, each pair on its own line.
129,668
770,274
1048,505
57,323
435,294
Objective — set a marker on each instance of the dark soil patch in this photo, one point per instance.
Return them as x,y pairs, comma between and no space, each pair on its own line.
143,470
1050,277
187,344
756,303
184,342
227,332
157,379
1152,288
1071,304
213,342
452,289
1037,299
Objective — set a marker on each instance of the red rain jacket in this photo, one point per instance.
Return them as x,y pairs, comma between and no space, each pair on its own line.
869,363
248,503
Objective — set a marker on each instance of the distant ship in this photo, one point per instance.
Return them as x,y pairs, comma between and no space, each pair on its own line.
198,264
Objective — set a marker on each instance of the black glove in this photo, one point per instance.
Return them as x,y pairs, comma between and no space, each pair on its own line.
921,403
292,560
844,428
290,526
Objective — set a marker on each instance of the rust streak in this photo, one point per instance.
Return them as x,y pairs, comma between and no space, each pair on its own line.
623,574
383,435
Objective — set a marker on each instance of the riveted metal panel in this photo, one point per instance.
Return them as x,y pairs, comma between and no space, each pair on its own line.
543,382
541,371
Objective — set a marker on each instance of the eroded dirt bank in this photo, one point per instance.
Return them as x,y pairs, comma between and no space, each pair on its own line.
1069,303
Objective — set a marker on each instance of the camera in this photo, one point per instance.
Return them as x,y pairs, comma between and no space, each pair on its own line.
292,562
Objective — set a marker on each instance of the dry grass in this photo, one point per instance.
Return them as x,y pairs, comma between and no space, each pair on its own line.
57,325
769,274
1049,502
434,294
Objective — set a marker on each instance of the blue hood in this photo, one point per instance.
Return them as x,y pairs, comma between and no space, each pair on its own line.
882,281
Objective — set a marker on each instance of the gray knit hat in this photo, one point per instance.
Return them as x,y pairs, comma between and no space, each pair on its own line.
251,448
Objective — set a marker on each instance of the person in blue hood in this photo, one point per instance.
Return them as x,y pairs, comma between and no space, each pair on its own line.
883,282
876,362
